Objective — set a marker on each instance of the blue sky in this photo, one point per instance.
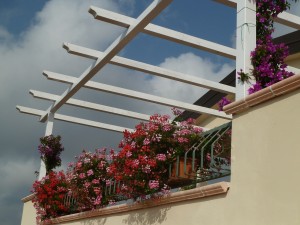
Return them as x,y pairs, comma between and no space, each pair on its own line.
31,36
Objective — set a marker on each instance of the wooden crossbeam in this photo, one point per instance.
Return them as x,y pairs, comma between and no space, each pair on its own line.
92,106
147,68
75,120
165,33
137,95
143,20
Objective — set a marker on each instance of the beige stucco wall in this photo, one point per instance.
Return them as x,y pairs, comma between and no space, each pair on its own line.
264,187
29,214
294,60
210,122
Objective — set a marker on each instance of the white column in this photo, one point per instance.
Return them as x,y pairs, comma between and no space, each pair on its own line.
49,130
245,41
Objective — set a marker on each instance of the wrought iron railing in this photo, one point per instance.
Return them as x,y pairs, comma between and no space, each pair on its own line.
207,159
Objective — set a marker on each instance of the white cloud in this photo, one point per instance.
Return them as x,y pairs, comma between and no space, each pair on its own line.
191,64
4,34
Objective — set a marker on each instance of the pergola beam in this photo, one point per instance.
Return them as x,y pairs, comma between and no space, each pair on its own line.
165,33
147,68
75,120
137,95
92,106
284,18
143,20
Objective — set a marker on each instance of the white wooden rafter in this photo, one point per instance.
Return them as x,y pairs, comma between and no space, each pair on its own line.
165,33
147,68
76,120
136,95
91,105
283,18
143,20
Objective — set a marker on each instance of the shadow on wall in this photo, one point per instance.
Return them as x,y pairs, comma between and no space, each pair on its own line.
152,216
100,221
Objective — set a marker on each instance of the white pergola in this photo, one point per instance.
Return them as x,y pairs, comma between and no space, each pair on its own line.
245,42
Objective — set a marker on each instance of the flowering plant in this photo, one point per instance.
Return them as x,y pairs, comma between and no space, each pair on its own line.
89,178
267,58
49,196
143,161
50,149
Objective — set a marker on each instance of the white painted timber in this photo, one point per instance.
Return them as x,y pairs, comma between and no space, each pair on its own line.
92,106
137,95
75,120
147,68
289,20
245,42
143,20
48,131
283,18
230,3
293,69
165,33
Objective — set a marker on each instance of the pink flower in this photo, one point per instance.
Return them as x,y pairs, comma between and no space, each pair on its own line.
108,182
90,172
95,181
197,129
98,200
82,175
146,169
146,141
153,184
86,160
87,184
182,140
161,157
128,154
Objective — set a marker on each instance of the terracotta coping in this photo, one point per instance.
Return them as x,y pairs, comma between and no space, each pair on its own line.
27,198
280,88
196,193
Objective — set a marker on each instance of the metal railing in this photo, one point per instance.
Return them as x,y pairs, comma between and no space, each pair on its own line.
207,159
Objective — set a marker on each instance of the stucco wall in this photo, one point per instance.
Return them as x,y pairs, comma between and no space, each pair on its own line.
293,60
29,214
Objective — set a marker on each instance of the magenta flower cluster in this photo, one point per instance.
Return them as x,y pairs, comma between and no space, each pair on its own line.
50,150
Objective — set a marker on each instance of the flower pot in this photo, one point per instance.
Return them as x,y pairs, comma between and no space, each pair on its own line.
183,178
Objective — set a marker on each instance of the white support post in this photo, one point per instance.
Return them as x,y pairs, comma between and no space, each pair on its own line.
245,41
48,131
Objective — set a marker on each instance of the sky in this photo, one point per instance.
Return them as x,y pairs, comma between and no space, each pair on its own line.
31,38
